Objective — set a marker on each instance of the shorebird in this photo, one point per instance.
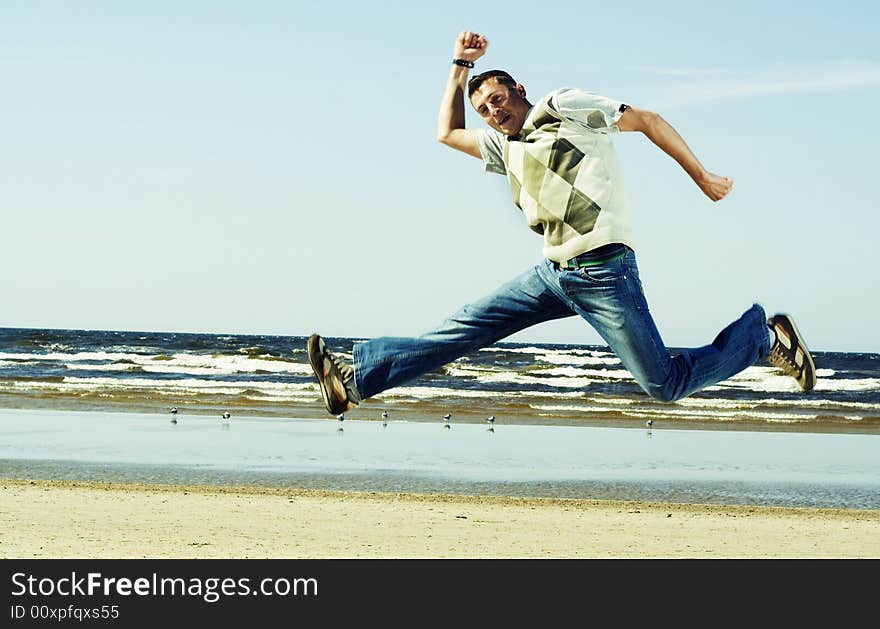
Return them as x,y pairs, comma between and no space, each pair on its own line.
491,421
446,419
384,418
173,411
649,423
225,417
341,418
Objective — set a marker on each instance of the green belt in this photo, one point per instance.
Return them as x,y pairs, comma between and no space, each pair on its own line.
573,263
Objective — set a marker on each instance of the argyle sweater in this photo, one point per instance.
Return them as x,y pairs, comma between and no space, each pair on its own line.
564,172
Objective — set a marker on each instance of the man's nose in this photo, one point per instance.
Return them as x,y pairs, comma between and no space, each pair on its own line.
494,111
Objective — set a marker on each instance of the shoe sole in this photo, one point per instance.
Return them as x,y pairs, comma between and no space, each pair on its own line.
807,355
313,346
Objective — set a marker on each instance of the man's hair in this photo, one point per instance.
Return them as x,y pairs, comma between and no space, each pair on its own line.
500,76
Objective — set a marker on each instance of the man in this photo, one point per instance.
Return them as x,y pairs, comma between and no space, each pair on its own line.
565,177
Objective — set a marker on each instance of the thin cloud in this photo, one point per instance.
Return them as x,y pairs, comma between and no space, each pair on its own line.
779,82
665,71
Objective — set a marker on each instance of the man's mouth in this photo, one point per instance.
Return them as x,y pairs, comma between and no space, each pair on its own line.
503,120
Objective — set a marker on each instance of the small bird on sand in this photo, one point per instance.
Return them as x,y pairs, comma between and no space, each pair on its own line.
491,419
446,419
649,423
384,418
226,416
341,418
173,411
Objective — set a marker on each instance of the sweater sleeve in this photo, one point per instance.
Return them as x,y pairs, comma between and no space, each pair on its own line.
492,148
592,111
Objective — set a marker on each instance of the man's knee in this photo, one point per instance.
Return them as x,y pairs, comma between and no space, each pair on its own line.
661,393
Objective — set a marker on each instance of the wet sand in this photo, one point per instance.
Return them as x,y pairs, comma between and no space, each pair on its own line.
63,519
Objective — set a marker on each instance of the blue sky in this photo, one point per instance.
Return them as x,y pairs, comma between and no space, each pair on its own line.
271,167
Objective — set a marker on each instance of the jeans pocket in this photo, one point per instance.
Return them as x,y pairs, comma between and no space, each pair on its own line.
610,273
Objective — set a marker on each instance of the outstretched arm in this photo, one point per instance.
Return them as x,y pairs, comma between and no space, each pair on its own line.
450,123
667,139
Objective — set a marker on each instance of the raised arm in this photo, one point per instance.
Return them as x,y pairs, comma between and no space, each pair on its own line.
670,142
450,122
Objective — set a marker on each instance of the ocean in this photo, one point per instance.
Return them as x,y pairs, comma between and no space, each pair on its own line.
526,383
569,422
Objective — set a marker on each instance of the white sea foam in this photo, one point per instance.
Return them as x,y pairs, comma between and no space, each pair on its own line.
516,350
820,402
571,408
198,365
514,378
226,364
859,384
562,356
555,377
716,403
780,383
611,400
460,369
568,359
427,393
108,367
611,374
63,357
183,363
255,389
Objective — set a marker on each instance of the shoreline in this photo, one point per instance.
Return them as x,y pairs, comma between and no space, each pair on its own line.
74,519
429,413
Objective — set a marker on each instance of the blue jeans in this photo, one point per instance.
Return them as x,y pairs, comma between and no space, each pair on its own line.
609,296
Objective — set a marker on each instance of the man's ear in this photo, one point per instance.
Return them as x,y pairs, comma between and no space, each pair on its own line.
521,90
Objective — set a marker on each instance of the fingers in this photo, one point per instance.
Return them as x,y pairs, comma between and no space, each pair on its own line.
469,39
717,187
726,187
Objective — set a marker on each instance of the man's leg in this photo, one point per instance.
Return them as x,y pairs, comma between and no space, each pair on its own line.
610,298
386,362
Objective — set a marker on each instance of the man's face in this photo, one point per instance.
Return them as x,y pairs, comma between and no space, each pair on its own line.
503,108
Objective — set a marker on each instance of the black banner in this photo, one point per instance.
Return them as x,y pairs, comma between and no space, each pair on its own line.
124,593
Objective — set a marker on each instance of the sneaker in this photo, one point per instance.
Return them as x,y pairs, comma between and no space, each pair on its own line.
789,352
335,378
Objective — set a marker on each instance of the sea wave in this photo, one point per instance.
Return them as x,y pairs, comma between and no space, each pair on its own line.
198,365
571,356
557,377
184,363
426,393
277,390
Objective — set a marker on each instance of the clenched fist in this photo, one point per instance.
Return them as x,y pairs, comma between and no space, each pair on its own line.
470,46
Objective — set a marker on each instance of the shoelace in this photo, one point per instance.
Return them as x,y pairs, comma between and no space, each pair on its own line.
788,360
344,369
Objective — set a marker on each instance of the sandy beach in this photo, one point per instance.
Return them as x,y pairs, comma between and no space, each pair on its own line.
62,519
